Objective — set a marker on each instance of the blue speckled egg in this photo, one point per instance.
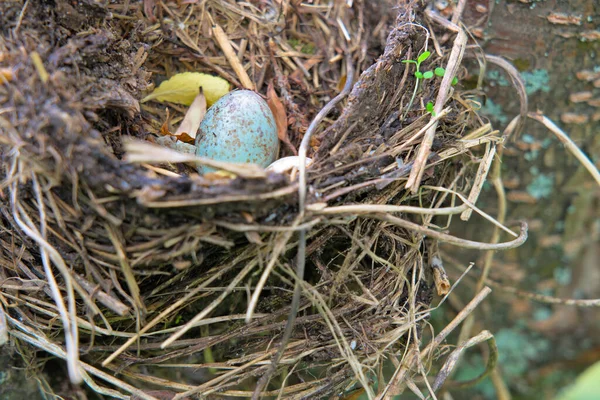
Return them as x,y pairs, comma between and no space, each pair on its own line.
238,128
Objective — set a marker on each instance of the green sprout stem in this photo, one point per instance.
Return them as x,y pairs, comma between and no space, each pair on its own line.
439,71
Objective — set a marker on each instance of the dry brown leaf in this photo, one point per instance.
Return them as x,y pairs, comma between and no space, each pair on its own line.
185,138
164,129
278,110
193,117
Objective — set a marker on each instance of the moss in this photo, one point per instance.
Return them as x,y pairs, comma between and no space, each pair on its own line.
536,81
541,187
306,48
522,64
494,111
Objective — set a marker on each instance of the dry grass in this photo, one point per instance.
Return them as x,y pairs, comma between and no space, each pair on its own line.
142,276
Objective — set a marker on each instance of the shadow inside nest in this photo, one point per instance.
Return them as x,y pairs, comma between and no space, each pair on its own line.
158,274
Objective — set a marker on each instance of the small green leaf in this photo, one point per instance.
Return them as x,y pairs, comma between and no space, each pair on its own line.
429,107
439,71
419,75
428,74
409,62
423,56
454,81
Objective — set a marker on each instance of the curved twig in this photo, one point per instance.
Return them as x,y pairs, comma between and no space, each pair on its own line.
453,240
452,361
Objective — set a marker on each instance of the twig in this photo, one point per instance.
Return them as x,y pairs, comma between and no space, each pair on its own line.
519,84
411,359
480,178
569,144
232,57
453,240
452,361
541,298
440,278
458,10
3,326
134,290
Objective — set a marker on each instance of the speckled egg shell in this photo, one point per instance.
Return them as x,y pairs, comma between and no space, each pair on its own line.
239,128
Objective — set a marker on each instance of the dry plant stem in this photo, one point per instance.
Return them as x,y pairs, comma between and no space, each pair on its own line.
382,208
41,342
453,240
502,391
355,209
340,340
266,228
220,199
144,152
3,326
300,259
204,387
433,121
519,85
208,309
396,382
458,10
67,315
126,269
480,178
475,208
496,181
543,298
456,321
569,144
440,277
168,311
232,57
277,250
440,20
420,164
453,359
112,303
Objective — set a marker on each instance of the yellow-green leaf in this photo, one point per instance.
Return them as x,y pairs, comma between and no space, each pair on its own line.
183,88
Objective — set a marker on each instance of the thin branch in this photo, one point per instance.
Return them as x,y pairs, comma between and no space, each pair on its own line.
453,240
569,144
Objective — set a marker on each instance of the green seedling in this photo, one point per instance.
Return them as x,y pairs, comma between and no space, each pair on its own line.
422,57
429,108
438,71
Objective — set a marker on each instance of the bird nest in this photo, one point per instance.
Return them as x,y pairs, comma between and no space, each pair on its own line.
153,281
